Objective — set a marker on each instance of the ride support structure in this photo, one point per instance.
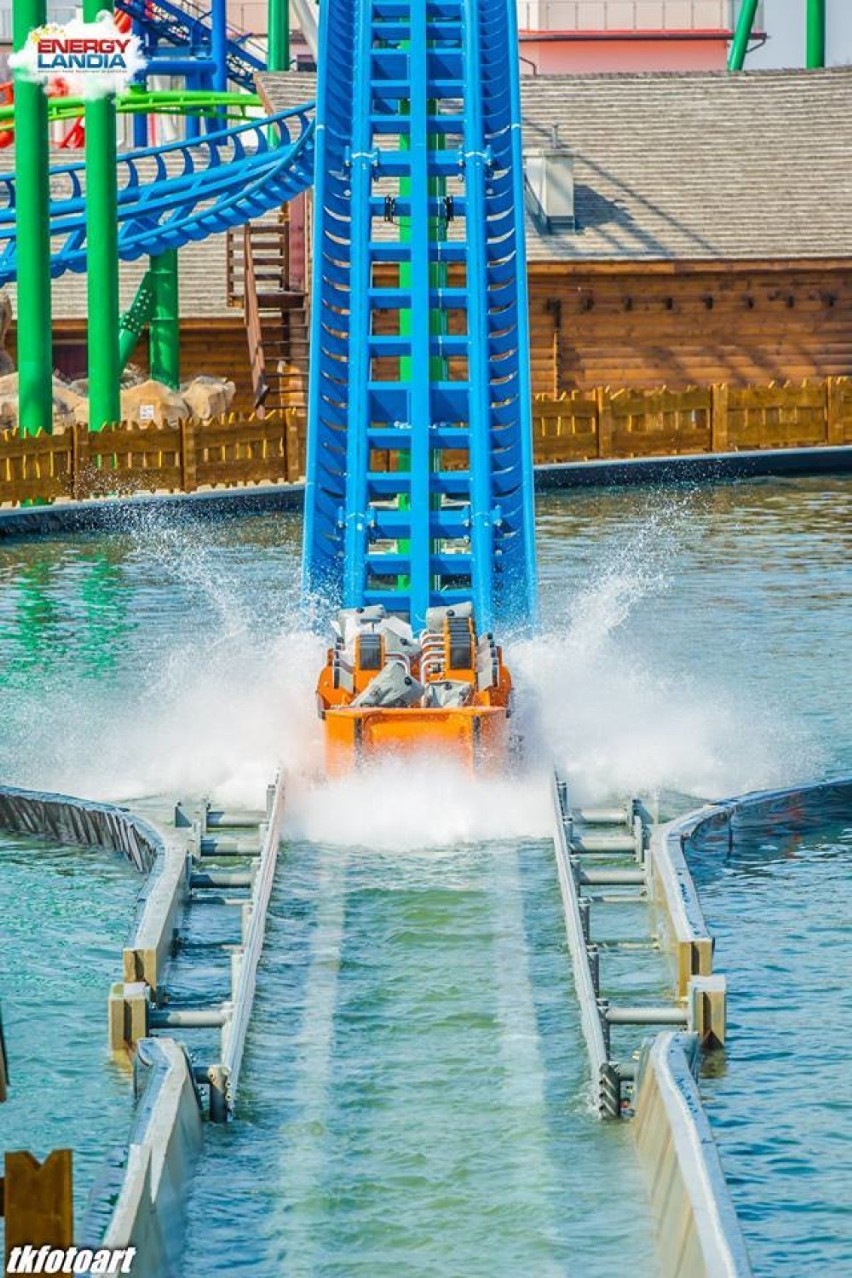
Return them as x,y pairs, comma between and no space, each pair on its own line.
102,236
419,470
814,34
206,52
35,351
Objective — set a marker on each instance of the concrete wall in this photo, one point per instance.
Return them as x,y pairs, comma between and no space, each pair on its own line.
162,858
671,889
164,1145
698,1232
68,820
149,1191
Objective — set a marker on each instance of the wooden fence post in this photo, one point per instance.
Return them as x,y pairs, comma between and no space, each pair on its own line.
290,424
79,455
188,458
719,442
604,422
833,419
38,1201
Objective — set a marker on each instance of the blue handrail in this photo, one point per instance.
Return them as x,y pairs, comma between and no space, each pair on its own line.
198,187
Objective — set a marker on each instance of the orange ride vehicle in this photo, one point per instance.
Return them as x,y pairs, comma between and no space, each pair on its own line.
386,691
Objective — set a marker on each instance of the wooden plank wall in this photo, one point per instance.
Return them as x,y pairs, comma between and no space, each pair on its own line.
579,425
607,326
143,457
575,426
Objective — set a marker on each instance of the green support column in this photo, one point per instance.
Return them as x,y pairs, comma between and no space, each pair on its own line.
278,27
438,368
35,348
742,35
132,323
815,42
164,325
102,251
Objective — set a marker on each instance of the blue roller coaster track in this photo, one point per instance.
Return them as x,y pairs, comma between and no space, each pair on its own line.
419,472
173,194
419,339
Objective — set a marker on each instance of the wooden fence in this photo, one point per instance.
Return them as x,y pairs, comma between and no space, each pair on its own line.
144,457
581,425
577,426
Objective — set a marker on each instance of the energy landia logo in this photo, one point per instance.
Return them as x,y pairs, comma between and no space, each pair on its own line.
90,59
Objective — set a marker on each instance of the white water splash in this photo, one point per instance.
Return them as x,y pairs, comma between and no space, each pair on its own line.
216,705
618,720
423,804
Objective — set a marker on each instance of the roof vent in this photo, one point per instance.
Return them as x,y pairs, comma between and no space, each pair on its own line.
549,186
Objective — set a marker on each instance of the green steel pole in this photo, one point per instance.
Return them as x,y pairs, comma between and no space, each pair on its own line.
35,350
438,369
815,43
278,28
742,35
164,325
102,251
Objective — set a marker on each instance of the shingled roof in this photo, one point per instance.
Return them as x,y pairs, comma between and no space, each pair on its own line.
693,166
667,167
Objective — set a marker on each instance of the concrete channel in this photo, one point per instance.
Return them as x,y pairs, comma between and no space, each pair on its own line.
142,1203
697,1228
616,849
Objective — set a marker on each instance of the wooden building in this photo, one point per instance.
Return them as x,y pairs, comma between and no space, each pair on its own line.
713,229
711,239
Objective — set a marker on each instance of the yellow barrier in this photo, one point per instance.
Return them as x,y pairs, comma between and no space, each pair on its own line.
698,1233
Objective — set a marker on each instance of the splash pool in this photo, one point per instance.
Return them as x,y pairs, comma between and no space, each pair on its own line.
419,1097
167,657
778,906
64,914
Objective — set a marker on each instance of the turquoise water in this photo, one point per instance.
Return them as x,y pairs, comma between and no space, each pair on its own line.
415,1087
780,1105
416,1096
64,916
707,633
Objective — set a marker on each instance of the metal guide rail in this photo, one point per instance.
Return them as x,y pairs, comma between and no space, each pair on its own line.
229,865
601,860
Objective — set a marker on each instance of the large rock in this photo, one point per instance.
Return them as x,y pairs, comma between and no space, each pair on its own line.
66,402
133,375
153,404
209,396
8,400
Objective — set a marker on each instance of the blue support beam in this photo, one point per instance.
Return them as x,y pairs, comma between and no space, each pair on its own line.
183,36
419,470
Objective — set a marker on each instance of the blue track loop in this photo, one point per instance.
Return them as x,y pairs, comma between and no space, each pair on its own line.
419,341
173,194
